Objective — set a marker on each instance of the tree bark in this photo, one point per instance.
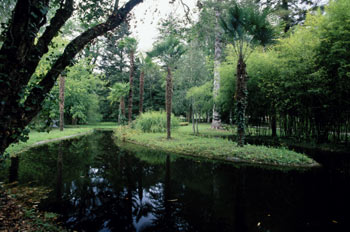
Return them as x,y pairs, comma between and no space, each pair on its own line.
193,120
61,101
197,118
122,106
20,54
142,75
241,100
273,123
216,122
131,81
168,93
119,112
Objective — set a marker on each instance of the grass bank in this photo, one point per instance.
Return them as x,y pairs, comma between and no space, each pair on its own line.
183,142
37,138
204,130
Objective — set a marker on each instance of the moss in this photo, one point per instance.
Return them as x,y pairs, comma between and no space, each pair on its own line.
214,148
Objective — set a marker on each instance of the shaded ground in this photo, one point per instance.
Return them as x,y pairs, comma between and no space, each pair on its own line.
19,210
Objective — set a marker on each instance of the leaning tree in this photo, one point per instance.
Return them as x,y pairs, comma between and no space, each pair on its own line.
246,25
27,38
169,50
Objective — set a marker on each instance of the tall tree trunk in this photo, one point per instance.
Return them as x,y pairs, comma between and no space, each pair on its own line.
61,101
216,122
286,17
197,118
122,106
168,96
142,76
241,100
119,113
188,115
193,122
131,80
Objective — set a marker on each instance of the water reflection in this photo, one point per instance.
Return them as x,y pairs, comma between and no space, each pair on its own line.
99,186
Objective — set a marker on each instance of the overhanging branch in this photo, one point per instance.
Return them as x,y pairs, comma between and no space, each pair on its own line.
37,95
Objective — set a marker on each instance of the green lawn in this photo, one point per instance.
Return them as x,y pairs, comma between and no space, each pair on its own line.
183,142
204,130
36,137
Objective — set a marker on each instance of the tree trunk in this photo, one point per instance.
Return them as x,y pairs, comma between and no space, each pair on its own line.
197,118
22,51
286,17
119,112
61,103
168,96
131,80
193,122
241,100
122,106
188,115
273,123
216,122
142,76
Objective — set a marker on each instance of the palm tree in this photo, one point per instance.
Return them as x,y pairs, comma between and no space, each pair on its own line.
130,45
116,94
169,51
247,26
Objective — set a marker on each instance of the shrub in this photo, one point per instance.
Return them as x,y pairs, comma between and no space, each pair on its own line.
154,121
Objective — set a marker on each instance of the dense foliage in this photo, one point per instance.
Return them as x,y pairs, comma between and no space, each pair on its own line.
298,86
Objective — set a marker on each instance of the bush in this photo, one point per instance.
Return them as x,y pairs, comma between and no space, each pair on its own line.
154,121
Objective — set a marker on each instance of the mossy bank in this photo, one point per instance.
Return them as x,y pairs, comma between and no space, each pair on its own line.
214,148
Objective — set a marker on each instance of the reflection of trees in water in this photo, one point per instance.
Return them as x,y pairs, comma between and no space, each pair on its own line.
109,192
99,185
164,204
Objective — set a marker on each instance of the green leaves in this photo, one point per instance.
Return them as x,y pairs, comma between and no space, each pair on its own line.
169,50
246,22
129,44
118,91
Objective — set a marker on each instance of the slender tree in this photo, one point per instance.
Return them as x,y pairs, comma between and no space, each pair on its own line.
24,47
169,51
116,94
142,83
246,25
130,45
144,63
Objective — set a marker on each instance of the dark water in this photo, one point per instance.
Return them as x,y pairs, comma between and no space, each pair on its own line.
98,186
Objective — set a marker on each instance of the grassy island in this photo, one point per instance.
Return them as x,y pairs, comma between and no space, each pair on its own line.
183,142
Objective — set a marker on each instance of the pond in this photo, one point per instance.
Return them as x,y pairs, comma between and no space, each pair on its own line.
99,186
